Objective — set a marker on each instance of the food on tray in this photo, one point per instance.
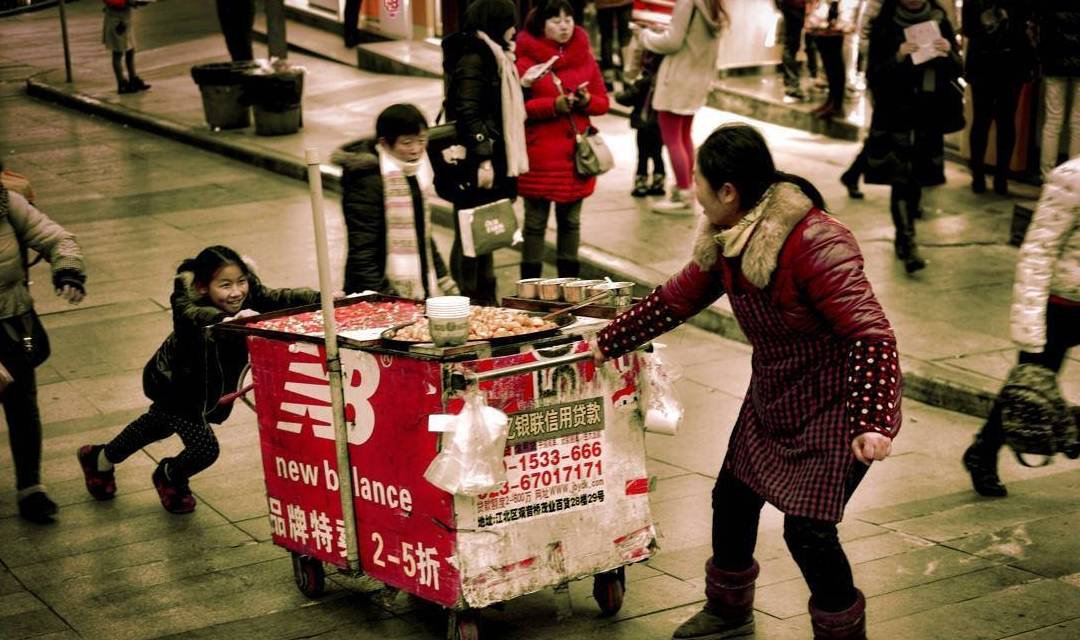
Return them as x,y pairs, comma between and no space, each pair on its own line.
485,323
362,315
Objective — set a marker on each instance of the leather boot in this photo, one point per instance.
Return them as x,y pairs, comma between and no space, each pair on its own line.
531,269
906,248
729,612
568,268
980,460
849,624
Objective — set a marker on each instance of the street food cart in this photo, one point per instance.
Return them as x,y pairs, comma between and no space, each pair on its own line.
575,503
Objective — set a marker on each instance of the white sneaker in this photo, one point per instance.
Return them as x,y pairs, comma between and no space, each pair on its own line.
681,202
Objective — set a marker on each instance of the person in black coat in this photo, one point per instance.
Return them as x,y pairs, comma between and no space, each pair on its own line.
418,270
188,375
906,144
1000,59
237,19
1058,23
477,79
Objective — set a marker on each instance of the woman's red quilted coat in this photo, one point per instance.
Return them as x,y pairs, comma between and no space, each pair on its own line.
548,134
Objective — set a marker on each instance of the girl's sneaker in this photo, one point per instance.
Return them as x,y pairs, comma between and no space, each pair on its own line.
100,484
641,187
175,495
681,203
657,186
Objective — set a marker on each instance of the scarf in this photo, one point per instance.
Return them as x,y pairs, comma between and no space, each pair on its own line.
403,251
733,240
513,109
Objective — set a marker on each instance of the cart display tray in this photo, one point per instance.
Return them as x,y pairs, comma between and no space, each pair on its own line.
391,339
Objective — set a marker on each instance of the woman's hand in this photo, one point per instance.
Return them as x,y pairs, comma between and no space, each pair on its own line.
583,97
243,313
485,175
871,446
905,50
74,295
597,354
563,104
942,46
338,295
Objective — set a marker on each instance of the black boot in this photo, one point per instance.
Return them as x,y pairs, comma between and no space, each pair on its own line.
531,269
851,182
978,181
906,248
729,612
568,268
980,460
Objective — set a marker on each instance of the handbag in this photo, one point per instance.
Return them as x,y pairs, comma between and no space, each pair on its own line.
487,228
448,159
592,157
1034,416
950,105
26,330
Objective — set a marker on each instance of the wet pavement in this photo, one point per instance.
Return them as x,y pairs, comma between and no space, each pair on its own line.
935,560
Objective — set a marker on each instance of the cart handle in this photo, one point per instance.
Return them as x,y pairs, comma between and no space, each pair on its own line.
461,378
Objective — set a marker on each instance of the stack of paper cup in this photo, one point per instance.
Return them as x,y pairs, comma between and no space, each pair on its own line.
448,320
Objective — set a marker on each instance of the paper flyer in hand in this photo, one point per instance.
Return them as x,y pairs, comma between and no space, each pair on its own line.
923,34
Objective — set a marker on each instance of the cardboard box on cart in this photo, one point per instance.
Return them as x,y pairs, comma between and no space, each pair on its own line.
575,504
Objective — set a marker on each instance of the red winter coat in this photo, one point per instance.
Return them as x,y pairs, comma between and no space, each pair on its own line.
548,134
824,365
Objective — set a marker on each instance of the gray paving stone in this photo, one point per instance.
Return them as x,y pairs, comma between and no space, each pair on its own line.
32,624
1067,630
952,590
1044,547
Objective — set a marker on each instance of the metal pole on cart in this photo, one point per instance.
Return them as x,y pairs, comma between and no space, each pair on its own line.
333,360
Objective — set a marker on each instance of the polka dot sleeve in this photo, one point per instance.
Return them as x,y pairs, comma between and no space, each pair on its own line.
646,320
873,388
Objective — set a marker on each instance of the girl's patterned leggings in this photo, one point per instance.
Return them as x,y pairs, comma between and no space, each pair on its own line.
200,444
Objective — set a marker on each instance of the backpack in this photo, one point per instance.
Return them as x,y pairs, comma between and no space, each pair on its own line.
1035,418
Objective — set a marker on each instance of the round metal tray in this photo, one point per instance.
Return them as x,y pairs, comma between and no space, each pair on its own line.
561,321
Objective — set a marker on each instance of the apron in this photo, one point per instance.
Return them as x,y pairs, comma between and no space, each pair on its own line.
791,443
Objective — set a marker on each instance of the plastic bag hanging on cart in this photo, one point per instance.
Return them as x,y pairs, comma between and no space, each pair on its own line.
660,406
471,462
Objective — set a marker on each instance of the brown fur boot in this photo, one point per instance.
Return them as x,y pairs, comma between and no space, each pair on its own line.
729,612
849,624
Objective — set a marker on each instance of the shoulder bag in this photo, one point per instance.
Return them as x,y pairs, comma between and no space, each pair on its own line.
592,157
1034,416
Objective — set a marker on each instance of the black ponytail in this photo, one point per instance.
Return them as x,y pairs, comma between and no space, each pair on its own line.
209,261
737,153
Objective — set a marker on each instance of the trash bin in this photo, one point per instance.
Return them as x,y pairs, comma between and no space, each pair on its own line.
274,93
221,86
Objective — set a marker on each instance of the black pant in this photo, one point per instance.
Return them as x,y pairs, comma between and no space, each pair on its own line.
474,276
650,146
568,230
855,172
794,17
994,102
1062,334
610,20
814,544
200,444
21,411
237,18
831,49
352,22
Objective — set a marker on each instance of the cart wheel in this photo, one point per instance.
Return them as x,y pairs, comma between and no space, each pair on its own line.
309,574
463,625
608,590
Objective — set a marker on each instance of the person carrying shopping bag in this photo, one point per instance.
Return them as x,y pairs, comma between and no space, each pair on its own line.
572,89
824,395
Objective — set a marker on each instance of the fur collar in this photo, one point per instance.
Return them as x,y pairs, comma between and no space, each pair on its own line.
783,207
575,53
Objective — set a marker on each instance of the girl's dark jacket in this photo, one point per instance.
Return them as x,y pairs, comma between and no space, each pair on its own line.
194,366
365,220
474,103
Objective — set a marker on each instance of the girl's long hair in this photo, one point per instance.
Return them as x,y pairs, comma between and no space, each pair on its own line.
209,261
737,153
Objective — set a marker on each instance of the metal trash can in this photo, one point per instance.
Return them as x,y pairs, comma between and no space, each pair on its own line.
222,89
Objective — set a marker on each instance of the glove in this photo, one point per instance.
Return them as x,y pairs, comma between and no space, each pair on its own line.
448,287
71,277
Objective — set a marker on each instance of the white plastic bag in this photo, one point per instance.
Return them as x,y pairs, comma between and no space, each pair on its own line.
660,406
471,461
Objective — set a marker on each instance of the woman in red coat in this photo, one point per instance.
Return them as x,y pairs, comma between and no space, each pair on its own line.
824,395
574,89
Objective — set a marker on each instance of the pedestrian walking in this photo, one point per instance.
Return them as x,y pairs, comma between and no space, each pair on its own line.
1000,59
794,15
643,120
824,395
868,10
118,36
906,144
387,217
188,375
828,22
559,104
484,99
24,345
1058,24
690,46
237,20
613,21
1045,316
